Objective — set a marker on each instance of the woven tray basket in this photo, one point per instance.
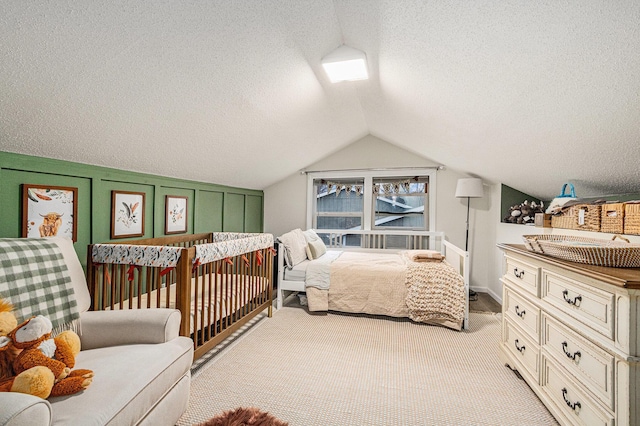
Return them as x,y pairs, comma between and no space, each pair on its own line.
591,251
565,220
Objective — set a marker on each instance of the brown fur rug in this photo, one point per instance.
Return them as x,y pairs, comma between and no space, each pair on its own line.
244,417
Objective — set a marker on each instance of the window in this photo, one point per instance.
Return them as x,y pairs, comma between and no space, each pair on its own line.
368,199
338,203
400,203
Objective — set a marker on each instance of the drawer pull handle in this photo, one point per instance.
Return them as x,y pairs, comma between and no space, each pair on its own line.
574,355
575,406
518,274
519,312
575,301
519,348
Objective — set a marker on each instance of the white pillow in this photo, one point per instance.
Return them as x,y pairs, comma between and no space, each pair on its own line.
310,235
295,247
316,248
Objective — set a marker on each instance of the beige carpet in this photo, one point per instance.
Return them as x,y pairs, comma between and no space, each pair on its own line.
333,369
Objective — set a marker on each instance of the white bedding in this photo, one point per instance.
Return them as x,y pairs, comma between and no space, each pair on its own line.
319,270
298,272
386,284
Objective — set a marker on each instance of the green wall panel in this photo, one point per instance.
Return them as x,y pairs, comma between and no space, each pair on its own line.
209,211
210,207
233,212
253,214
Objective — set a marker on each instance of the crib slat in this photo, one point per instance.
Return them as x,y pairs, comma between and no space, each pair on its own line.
213,289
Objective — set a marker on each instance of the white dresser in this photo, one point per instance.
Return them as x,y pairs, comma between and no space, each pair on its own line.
571,331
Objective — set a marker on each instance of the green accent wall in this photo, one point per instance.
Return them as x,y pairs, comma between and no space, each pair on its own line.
210,207
510,197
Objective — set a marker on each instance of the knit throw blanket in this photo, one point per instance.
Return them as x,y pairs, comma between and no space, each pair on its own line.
435,291
35,279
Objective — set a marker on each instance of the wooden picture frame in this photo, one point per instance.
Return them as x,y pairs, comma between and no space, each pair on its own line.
175,218
49,211
127,214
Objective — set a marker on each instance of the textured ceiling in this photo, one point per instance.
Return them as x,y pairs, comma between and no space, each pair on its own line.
530,94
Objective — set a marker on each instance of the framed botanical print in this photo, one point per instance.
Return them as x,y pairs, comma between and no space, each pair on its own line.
49,211
127,214
175,221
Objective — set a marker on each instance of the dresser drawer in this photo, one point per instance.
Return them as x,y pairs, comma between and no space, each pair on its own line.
567,396
589,305
522,348
522,312
589,364
524,275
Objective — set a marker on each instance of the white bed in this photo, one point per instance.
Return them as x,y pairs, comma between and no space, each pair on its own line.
294,279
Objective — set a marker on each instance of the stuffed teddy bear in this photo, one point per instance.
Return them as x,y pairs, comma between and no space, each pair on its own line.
37,381
57,354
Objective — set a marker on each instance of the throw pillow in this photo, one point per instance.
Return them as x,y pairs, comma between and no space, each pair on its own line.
295,247
310,235
317,248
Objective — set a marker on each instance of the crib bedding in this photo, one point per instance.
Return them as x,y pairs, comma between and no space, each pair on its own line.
391,285
229,298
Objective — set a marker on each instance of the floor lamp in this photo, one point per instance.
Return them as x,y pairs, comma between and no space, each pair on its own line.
469,188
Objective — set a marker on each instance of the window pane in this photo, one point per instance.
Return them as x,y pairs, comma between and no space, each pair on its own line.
339,222
400,203
396,221
339,204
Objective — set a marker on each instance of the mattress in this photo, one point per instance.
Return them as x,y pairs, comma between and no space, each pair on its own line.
298,272
229,297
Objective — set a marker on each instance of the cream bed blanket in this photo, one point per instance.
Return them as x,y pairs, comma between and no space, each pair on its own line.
392,285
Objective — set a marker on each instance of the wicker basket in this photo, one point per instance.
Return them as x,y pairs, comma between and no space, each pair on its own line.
564,220
632,219
612,218
587,217
591,251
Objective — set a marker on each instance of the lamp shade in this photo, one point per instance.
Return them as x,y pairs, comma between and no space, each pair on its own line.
345,64
469,187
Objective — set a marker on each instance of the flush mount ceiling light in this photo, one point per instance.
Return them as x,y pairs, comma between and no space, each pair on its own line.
345,64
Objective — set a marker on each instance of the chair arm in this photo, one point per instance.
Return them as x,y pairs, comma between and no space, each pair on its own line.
18,409
99,329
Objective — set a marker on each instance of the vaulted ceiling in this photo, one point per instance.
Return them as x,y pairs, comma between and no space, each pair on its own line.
528,93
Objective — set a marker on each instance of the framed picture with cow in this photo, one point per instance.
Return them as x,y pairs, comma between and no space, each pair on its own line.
49,211
127,214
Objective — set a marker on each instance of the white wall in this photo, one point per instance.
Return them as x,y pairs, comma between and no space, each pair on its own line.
285,201
285,208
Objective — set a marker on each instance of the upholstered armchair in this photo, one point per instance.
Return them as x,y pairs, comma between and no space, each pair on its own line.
141,366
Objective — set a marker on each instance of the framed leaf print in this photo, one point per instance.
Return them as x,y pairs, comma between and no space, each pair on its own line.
175,221
49,211
127,214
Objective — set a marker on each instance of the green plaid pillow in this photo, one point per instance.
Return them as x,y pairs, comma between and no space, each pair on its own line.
35,279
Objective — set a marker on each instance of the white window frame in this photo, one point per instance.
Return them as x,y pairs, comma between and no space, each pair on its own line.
368,176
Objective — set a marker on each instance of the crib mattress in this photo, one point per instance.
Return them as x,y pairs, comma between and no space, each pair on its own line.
227,300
